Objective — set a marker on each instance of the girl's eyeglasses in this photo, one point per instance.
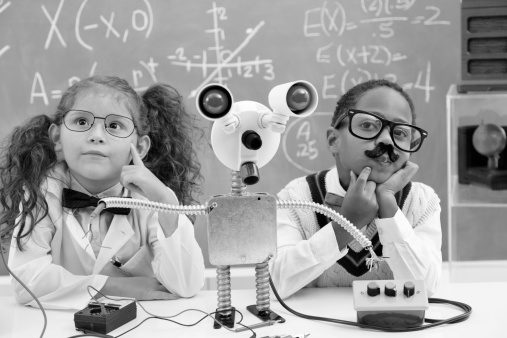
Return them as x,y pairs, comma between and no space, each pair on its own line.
367,126
115,125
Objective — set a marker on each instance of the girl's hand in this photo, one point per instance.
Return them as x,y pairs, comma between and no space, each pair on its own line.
140,288
140,179
360,203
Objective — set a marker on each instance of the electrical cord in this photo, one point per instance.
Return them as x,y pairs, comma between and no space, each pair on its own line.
26,288
167,318
435,322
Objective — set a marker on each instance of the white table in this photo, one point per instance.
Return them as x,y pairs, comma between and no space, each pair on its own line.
487,320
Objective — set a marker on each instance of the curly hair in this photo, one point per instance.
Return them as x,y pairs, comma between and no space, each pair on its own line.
29,155
173,133
353,95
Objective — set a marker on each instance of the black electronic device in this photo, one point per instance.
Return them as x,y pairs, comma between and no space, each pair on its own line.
105,314
473,167
483,46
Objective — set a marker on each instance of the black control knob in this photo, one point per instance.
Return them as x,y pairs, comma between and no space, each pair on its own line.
373,289
409,289
390,289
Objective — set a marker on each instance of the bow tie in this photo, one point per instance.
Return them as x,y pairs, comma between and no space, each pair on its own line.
75,200
333,201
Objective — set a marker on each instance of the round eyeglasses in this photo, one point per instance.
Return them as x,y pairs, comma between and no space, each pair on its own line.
367,126
115,125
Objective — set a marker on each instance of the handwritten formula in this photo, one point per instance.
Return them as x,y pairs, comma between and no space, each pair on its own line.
247,46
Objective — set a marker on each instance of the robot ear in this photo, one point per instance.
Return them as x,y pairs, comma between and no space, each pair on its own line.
214,101
297,98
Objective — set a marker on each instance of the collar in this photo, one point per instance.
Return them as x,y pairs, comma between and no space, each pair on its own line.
115,191
333,182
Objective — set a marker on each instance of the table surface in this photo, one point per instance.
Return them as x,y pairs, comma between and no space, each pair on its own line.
486,299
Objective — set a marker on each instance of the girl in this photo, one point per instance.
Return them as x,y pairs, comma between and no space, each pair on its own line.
371,138
93,145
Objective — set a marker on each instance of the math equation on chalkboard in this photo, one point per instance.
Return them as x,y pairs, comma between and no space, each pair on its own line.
248,46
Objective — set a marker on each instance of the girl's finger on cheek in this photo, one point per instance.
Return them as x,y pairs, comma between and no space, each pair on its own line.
136,158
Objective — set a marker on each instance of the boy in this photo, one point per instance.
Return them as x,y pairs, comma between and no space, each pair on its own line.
371,137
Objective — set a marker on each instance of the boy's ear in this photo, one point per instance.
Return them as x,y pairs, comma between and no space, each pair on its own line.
143,145
54,135
333,140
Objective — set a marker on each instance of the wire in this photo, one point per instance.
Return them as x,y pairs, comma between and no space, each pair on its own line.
456,319
153,316
26,288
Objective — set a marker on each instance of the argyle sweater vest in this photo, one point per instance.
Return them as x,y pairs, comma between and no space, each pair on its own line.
353,265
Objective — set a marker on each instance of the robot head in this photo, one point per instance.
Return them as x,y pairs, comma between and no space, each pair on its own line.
245,135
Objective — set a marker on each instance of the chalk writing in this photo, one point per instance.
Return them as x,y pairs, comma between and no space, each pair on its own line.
330,19
374,56
332,44
227,62
141,21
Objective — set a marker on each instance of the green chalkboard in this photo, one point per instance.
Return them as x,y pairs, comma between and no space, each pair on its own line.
249,46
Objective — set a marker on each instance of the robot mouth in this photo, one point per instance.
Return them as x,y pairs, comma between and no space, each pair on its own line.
249,173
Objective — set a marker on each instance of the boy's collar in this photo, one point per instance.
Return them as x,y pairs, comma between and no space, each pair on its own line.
333,182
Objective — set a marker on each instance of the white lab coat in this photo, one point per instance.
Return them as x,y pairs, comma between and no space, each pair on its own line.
58,263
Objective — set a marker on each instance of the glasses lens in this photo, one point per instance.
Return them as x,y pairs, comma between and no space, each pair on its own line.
365,125
407,137
77,120
119,126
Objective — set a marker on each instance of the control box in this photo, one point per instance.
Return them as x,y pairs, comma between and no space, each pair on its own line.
390,303
105,314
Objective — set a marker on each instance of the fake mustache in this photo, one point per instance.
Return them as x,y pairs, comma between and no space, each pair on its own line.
380,149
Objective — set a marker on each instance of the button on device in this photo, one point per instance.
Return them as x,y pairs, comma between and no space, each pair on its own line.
409,289
390,289
373,289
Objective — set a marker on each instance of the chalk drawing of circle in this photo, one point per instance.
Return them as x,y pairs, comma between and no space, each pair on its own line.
306,137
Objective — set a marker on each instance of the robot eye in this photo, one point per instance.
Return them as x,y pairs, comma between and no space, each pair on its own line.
298,98
216,102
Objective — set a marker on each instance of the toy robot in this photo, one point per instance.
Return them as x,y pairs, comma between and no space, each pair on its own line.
242,226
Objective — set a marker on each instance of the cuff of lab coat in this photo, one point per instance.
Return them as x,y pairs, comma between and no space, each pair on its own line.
395,229
183,226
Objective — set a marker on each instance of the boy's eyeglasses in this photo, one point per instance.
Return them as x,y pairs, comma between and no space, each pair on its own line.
82,120
367,126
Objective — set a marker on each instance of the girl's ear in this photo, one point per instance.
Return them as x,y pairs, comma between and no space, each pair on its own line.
54,135
333,140
143,145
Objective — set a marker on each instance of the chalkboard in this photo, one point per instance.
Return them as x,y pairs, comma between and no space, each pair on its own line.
249,46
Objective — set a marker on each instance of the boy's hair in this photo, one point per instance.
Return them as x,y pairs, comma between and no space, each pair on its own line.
352,96
29,154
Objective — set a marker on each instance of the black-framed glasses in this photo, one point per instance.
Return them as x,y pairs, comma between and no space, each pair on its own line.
367,126
82,120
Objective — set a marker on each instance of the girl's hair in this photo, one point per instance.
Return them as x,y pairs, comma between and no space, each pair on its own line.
29,154
352,96
172,156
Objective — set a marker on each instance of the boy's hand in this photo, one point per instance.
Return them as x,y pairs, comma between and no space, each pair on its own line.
398,180
140,179
385,191
360,203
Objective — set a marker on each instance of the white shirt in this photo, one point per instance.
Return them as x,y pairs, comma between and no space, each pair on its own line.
58,261
305,252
